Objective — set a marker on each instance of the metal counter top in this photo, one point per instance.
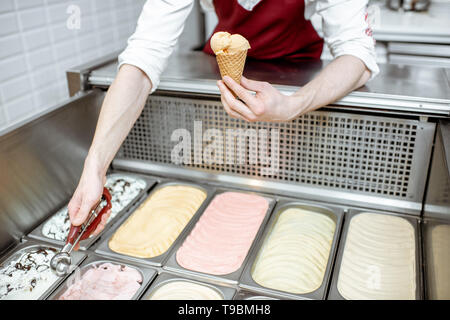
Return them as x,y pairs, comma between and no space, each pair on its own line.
397,88
431,26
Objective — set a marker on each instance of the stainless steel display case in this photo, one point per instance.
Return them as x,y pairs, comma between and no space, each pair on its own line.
103,247
232,278
335,213
77,258
38,234
164,277
436,219
334,293
148,274
371,149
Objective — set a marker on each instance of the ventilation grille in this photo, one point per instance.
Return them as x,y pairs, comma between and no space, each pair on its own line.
347,152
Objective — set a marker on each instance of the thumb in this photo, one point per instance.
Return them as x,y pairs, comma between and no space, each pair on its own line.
83,211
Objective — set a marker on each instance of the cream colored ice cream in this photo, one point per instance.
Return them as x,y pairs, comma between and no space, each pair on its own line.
379,260
185,290
295,254
439,262
155,225
225,43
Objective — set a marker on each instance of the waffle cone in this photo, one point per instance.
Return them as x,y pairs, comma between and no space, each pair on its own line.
232,65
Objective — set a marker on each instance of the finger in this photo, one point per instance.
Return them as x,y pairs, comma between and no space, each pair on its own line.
241,92
102,224
83,213
77,246
235,104
253,85
230,112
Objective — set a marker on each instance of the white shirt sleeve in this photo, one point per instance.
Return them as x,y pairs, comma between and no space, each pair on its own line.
158,28
346,29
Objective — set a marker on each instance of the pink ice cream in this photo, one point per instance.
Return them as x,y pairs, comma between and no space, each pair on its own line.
221,238
105,282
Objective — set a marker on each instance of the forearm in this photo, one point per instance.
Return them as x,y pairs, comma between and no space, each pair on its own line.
121,107
343,75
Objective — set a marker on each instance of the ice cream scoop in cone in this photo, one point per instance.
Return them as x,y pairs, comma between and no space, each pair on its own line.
231,53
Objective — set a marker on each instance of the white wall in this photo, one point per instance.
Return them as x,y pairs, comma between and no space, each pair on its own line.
36,47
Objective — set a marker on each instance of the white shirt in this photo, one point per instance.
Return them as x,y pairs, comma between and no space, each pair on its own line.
345,30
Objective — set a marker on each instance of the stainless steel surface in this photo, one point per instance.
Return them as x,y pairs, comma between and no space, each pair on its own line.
404,59
148,274
436,255
41,163
164,277
437,202
360,160
103,246
432,26
333,212
231,278
436,50
77,76
396,88
150,181
243,294
333,293
78,257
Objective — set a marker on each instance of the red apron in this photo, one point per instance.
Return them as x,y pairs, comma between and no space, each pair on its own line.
274,28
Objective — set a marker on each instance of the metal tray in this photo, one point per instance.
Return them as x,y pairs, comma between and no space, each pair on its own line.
336,213
232,278
148,275
429,274
77,258
85,244
166,277
334,293
103,247
243,294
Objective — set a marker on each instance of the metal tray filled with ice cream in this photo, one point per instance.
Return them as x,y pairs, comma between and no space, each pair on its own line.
105,279
217,246
149,233
125,188
168,286
379,258
295,255
436,258
25,272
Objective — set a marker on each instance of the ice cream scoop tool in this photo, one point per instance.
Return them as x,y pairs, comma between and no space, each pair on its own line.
61,262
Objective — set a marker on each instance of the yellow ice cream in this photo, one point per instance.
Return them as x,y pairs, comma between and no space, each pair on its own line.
185,290
379,260
295,254
155,225
225,43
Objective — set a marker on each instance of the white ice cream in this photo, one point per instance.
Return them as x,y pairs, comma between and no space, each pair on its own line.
27,275
379,260
123,189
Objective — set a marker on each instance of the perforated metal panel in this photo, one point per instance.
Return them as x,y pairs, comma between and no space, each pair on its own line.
363,154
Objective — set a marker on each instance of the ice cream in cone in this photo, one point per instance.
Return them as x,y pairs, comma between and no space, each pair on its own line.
231,52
